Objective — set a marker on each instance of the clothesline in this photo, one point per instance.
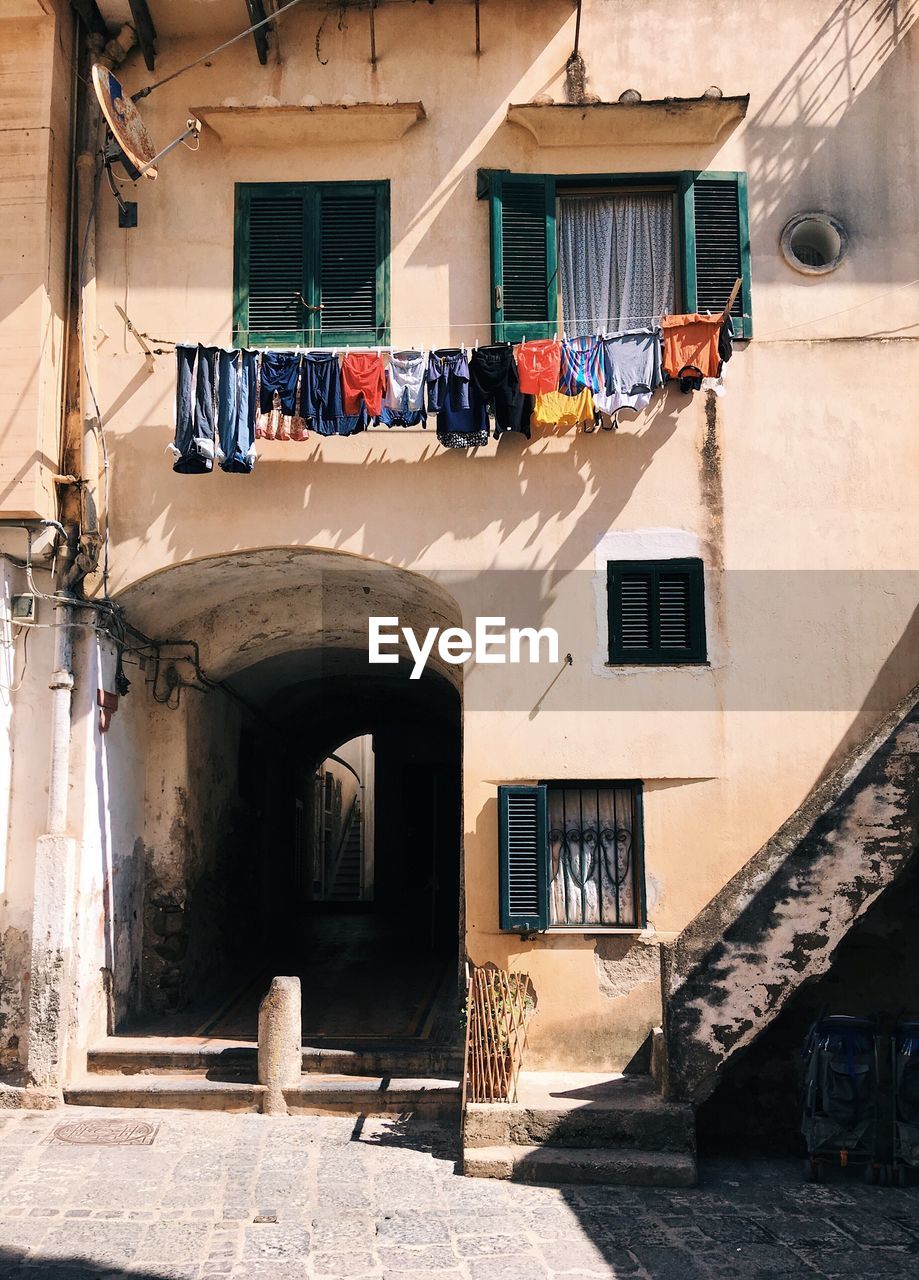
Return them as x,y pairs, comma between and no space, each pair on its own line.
372,348
226,399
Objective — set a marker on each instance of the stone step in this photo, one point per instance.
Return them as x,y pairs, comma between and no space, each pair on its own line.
191,1091
613,1166
374,1096
157,1055
314,1095
581,1110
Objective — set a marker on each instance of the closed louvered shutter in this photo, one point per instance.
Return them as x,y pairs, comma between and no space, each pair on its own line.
719,246
673,609
656,611
635,610
523,256
348,270
311,263
522,855
277,266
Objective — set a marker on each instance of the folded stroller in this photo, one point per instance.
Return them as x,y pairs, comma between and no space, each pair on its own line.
840,1104
905,1090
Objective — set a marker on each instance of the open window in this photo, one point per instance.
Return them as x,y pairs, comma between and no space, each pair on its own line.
577,253
571,856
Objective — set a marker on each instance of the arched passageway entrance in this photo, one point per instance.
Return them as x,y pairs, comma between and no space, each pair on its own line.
306,813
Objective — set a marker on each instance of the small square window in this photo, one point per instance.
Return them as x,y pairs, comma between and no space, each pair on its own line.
656,612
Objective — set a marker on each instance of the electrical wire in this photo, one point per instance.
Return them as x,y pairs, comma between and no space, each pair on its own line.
273,17
14,688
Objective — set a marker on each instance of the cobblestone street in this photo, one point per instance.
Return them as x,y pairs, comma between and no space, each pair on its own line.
216,1195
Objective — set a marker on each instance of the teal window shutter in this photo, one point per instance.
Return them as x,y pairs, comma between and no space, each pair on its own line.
656,611
523,858
524,256
271,265
353,263
716,245
311,264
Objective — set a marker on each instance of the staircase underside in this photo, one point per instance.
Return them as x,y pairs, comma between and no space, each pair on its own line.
778,922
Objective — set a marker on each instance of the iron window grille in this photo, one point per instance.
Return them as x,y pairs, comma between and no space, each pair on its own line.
571,856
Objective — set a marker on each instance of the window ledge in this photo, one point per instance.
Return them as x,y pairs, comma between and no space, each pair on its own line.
664,121
324,123
591,931
657,666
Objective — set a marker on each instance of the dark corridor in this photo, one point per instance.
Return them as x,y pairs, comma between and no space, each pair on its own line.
385,968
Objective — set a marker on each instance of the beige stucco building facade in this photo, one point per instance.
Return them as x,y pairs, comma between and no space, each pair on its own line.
794,488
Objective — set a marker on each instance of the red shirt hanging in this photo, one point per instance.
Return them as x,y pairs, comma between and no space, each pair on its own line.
363,377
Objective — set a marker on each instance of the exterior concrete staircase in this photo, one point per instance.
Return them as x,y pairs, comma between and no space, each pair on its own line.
577,1127
777,923
223,1076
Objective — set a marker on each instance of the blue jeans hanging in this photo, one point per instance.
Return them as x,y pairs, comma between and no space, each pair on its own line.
236,410
195,445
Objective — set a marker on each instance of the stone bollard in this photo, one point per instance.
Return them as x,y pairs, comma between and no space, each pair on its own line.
279,1051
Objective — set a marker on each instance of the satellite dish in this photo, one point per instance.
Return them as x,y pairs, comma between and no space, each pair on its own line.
124,120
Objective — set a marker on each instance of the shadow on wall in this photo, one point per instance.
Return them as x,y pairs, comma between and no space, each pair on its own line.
875,971
839,93
524,488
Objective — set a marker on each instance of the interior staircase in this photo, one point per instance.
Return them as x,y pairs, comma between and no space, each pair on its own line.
581,1128
346,882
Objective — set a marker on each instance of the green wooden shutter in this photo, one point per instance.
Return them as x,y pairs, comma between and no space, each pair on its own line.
656,611
353,268
524,257
311,264
716,245
523,858
271,266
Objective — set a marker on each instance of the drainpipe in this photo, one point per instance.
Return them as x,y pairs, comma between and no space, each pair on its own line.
51,975
80,461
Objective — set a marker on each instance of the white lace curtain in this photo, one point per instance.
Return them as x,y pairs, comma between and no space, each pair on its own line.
615,260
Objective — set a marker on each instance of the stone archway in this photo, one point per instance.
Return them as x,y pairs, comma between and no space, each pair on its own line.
283,680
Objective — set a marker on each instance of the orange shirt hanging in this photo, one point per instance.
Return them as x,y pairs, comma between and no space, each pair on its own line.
538,364
690,344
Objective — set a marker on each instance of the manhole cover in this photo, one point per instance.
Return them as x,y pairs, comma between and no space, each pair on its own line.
104,1133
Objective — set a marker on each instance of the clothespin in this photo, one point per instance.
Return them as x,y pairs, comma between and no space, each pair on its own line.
379,352
554,337
524,339
476,344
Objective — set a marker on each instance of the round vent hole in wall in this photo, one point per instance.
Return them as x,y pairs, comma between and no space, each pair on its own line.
814,243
